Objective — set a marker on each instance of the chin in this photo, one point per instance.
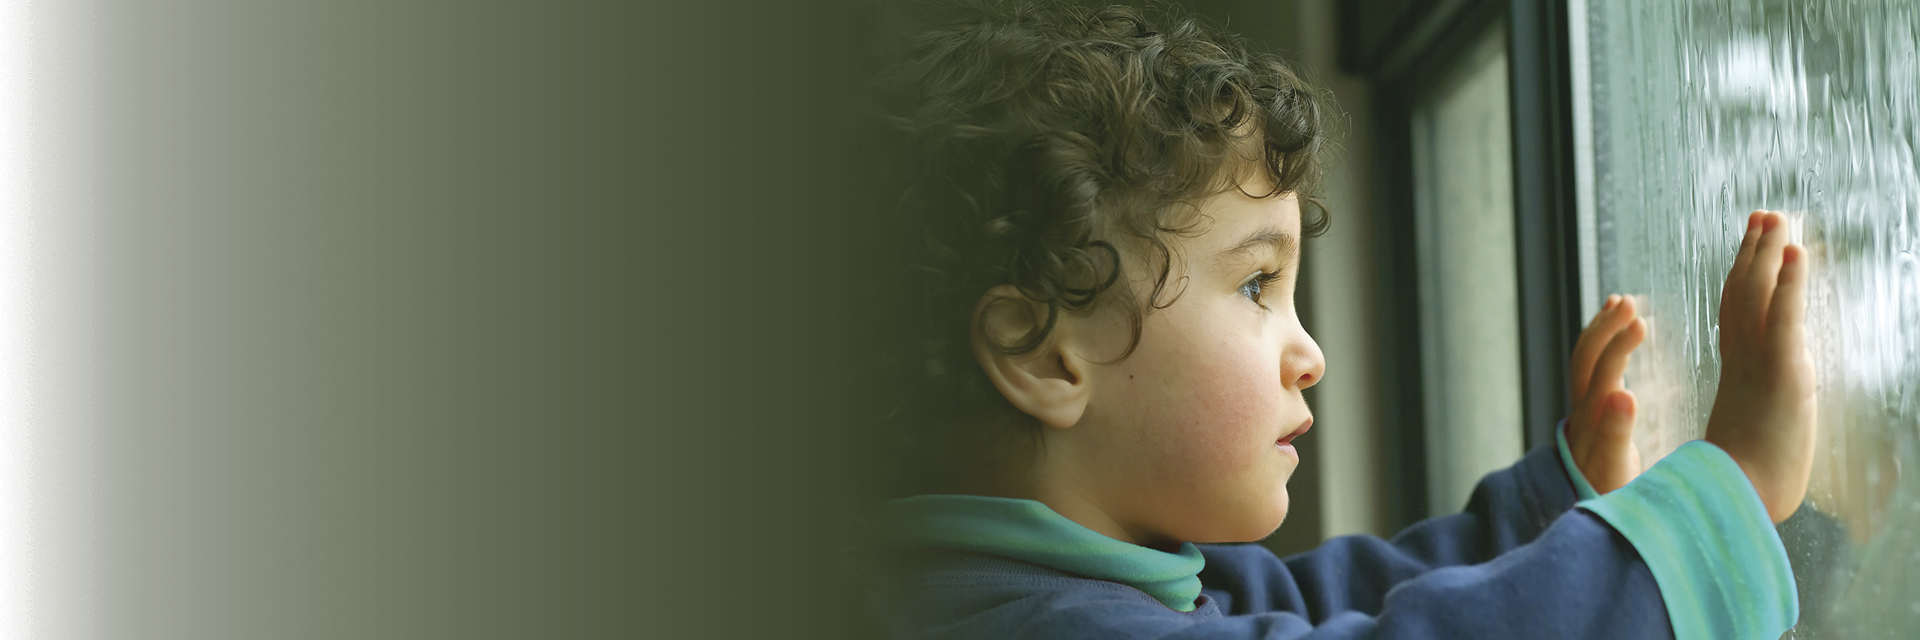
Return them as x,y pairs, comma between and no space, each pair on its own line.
1279,516
1254,524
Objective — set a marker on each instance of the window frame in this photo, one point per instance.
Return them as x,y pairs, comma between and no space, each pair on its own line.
1401,47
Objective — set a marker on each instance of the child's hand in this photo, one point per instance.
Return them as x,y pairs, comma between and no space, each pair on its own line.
1763,416
1600,431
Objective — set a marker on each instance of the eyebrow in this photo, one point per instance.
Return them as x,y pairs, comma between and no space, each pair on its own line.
1280,242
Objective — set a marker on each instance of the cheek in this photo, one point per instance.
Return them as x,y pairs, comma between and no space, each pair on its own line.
1236,408
1217,397
1190,433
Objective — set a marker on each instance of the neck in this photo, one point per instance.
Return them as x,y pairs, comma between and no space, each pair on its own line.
1046,476
1078,508
1068,499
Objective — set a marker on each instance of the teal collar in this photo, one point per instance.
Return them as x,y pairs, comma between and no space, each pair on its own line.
1029,531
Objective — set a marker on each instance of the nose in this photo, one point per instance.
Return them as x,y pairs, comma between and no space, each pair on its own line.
1302,363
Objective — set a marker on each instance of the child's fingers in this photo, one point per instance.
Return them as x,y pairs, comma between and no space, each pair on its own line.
1608,454
1615,440
1732,294
1616,422
1613,361
1586,351
1763,273
1748,243
1787,313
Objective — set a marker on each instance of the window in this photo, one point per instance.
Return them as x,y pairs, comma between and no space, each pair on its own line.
1701,112
1469,314
1473,303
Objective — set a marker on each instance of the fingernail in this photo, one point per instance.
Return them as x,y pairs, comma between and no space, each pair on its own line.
1789,255
1611,300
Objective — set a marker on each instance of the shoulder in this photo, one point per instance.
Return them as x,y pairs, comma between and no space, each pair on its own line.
1234,568
966,595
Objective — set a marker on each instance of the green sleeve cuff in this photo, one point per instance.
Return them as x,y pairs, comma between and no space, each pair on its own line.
1581,489
1702,530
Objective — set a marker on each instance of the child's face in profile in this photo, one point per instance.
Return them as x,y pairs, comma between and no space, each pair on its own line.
1188,439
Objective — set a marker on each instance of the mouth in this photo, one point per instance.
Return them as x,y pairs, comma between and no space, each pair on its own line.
1287,440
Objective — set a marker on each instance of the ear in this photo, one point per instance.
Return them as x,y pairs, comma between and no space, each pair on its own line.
1048,382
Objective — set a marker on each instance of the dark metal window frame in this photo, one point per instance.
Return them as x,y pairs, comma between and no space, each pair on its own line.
1403,47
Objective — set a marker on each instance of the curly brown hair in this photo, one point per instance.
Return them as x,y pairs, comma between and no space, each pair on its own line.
1041,141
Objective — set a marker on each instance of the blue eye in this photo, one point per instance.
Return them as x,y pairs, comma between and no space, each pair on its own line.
1255,288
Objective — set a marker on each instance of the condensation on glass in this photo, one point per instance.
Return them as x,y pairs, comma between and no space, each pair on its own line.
1705,111
1469,309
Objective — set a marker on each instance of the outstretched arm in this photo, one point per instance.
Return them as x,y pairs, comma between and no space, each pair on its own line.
1685,550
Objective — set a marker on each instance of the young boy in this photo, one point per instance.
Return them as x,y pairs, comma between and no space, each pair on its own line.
1113,215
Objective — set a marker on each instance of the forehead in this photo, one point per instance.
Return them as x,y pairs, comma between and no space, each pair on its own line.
1226,218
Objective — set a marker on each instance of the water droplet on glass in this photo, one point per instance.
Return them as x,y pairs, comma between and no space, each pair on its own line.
1705,110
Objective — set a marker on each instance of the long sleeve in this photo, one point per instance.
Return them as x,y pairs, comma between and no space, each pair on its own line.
1684,551
1712,567
1508,508
1516,563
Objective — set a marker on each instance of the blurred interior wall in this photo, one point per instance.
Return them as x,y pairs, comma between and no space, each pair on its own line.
460,319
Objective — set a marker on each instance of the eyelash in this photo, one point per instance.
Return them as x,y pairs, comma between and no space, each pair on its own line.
1255,289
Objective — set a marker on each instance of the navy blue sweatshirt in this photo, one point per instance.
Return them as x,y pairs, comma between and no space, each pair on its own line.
1686,550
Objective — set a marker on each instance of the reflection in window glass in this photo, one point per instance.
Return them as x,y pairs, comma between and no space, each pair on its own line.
1704,111
1469,309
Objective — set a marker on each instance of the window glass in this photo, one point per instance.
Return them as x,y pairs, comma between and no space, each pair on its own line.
1704,111
1469,310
